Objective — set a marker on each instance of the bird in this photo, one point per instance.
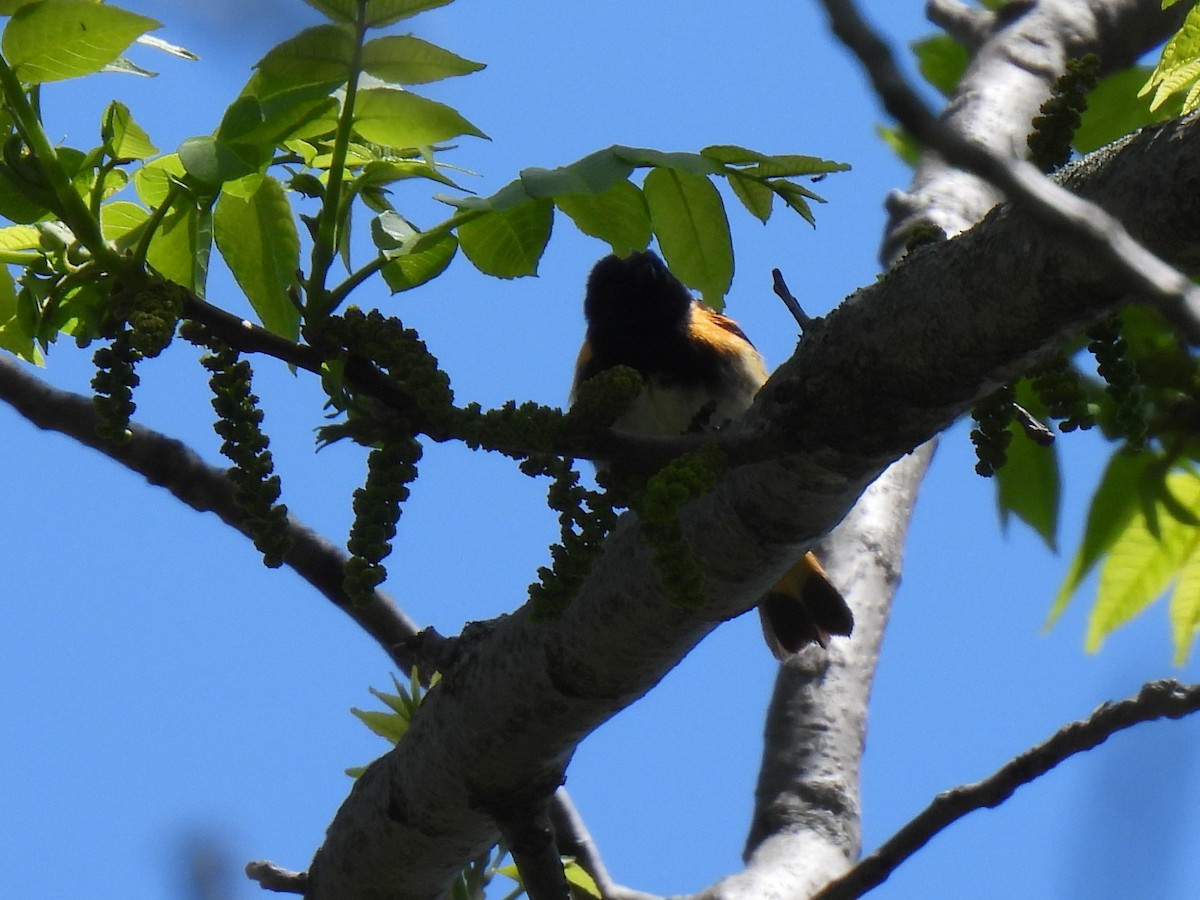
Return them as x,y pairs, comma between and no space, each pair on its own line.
699,372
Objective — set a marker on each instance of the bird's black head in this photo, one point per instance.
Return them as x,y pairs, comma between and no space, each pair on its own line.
636,295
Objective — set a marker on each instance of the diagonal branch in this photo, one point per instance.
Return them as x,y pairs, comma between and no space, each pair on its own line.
170,464
882,374
1166,699
1174,293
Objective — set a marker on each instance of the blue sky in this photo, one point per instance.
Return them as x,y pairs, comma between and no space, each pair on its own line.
162,690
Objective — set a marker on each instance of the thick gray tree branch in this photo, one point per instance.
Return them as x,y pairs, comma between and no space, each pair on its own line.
1008,79
884,373
1006,169
170,464
805,827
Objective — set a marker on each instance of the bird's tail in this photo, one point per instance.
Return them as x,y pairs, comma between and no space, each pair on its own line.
803,608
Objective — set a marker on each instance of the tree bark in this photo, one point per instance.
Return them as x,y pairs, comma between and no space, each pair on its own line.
805,828
884,373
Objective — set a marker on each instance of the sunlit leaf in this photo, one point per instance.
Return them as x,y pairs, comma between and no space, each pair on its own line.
692,163
1139,566
692,229
20,237
56,39
1113,505
153,180
316,56
14,336
410,270
379,12
404,59
179,248
754,195
123,137
396,118
120,219
618,216
213,162
1184,609
593,174
257,238
508,243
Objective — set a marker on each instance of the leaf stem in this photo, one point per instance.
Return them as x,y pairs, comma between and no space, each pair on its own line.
322,301
74,210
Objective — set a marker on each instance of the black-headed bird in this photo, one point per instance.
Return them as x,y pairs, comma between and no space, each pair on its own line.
699,371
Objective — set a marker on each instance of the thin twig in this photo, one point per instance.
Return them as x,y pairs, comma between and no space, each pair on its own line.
1173,292
802,318
1167,699
1033,427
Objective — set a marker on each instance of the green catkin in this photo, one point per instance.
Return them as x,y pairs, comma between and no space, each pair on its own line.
113,383
585,519
391,468
1121,379
680,481
1059,117
239,424
1060,387
991,435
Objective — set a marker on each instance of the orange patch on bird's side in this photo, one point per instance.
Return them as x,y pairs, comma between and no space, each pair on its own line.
718,331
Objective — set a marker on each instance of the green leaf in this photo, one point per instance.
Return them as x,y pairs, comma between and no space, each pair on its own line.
404,59
508,243
1177,60
692,163
796,197
754,195
14,337
901,143
379,12
1028,486
20,237
787,165
56,39
578,878
120,219
1113,507
257,238
618,216
1184,609
593,174
272,120
1139,567
179,248
1114,109
692,229
15,203
388,725
123,138
397,118
320,55
153,180
942,61
212,162
403,273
